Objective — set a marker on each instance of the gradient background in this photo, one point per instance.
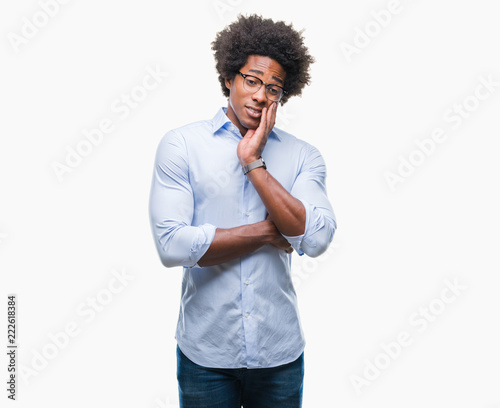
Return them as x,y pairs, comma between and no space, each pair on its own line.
60,240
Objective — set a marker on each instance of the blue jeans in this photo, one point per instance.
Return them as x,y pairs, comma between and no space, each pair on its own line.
276,387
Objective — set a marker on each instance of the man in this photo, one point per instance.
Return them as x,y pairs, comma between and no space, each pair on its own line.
231,198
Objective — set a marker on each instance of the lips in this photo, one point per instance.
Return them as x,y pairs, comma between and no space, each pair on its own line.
253,112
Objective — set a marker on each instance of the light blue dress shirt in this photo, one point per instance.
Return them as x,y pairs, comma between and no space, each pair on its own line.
241,313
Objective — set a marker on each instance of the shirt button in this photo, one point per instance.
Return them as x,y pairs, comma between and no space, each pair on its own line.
247,282
246,314
247,214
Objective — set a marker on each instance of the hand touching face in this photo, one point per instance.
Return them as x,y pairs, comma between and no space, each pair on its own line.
245,108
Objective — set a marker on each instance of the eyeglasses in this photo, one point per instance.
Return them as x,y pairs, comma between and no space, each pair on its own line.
253,84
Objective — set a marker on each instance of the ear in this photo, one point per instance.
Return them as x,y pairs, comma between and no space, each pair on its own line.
228,83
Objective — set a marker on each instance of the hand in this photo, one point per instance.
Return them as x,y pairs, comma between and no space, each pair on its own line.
280,241
251,146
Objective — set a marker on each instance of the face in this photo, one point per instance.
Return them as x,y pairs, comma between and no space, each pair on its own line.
245,108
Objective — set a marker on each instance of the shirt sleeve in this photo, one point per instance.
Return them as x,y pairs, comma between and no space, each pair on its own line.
171,207
310,188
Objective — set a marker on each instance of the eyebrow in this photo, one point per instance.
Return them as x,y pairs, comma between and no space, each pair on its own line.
261,73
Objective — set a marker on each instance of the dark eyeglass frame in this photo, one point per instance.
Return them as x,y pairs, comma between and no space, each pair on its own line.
263,83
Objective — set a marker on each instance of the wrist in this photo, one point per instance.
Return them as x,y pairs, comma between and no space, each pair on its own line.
269,231
255,164
247,160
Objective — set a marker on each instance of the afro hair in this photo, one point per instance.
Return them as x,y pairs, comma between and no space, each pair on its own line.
254,35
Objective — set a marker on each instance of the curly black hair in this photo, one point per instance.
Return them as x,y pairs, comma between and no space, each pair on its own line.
255,35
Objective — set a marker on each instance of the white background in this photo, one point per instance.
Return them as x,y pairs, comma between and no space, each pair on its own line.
394,248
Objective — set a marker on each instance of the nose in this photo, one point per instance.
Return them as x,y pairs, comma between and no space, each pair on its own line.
260,95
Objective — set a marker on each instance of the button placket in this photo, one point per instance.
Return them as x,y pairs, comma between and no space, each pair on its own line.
246,281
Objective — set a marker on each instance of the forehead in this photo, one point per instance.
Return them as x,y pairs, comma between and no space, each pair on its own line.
264,67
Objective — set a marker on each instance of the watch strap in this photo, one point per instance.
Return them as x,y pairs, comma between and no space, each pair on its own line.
254,165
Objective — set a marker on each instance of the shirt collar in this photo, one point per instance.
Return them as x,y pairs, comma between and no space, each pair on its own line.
221,120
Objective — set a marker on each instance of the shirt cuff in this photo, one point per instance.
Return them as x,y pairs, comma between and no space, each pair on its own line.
314,222
201,243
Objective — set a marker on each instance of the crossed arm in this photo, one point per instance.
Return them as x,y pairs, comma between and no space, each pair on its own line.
292,223
287,215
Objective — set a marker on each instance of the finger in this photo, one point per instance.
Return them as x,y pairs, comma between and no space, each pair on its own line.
265,120
263,128
269,114
262,124
272,118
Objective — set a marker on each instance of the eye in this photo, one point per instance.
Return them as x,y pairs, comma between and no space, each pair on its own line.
252,82
274,91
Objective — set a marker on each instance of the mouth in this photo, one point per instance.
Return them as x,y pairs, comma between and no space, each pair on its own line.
253,112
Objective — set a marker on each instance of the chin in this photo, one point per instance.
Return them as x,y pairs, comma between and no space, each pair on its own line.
252,124
248,122
252,127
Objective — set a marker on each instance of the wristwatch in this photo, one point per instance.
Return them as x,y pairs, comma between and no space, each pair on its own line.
255,164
